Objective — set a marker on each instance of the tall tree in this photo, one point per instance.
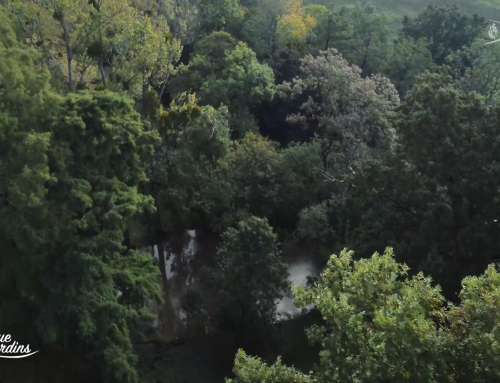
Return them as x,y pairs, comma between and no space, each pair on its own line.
107,43
250,276
225,71
326,24
69,33
185,165
295,24
350,114
368,45
445,29
477,69
260,27
69,174
252,171
381,325
434,197
407,59
146,56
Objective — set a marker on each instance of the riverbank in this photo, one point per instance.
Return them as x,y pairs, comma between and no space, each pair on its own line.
209,358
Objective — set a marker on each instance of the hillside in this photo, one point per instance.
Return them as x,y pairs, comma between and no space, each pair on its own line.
487,8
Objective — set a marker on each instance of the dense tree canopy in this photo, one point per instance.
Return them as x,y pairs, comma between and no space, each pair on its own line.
225,71
445,29
70,170
434,197
382,325
250,275
267,133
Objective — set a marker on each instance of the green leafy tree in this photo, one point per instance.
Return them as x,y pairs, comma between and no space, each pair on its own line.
191,19
477,69
102,44
301,182
382,325
250,275
71,35
248,369
445,29
349,113
69,174
215,14
259,29
408,58
351,116
225,71
434,197
195,139
252,171
326,24
183,176
474,328
314,224
146,57
368,44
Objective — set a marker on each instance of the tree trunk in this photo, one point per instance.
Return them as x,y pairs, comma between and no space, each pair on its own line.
127,239
145,87
101,71
164,85
70,68
162,263
367,47
327,43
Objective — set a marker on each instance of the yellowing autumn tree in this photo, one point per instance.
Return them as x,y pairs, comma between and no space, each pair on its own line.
294,25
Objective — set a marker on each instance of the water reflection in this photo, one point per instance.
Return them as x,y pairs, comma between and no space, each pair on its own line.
299,269
179,255
183,260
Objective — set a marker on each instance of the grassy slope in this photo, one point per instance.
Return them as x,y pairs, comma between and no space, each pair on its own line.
490,9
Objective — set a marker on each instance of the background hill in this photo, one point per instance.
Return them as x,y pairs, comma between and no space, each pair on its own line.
396,8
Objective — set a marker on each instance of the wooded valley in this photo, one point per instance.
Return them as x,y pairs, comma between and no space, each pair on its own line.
247,191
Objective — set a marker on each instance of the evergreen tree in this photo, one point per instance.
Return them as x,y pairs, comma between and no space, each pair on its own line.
70,167
250,276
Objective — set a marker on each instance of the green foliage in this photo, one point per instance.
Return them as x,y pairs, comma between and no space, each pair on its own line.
327,23
215,14
252,171
112,45
260,27
408,59
185,170
365,36
250,276
474,327
445,29
252,370
8,35
382,325
224,71
434,198
351,114
314,225
80,170
477,69
301,181
69,174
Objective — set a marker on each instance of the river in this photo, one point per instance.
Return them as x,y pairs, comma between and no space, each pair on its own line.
185,258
